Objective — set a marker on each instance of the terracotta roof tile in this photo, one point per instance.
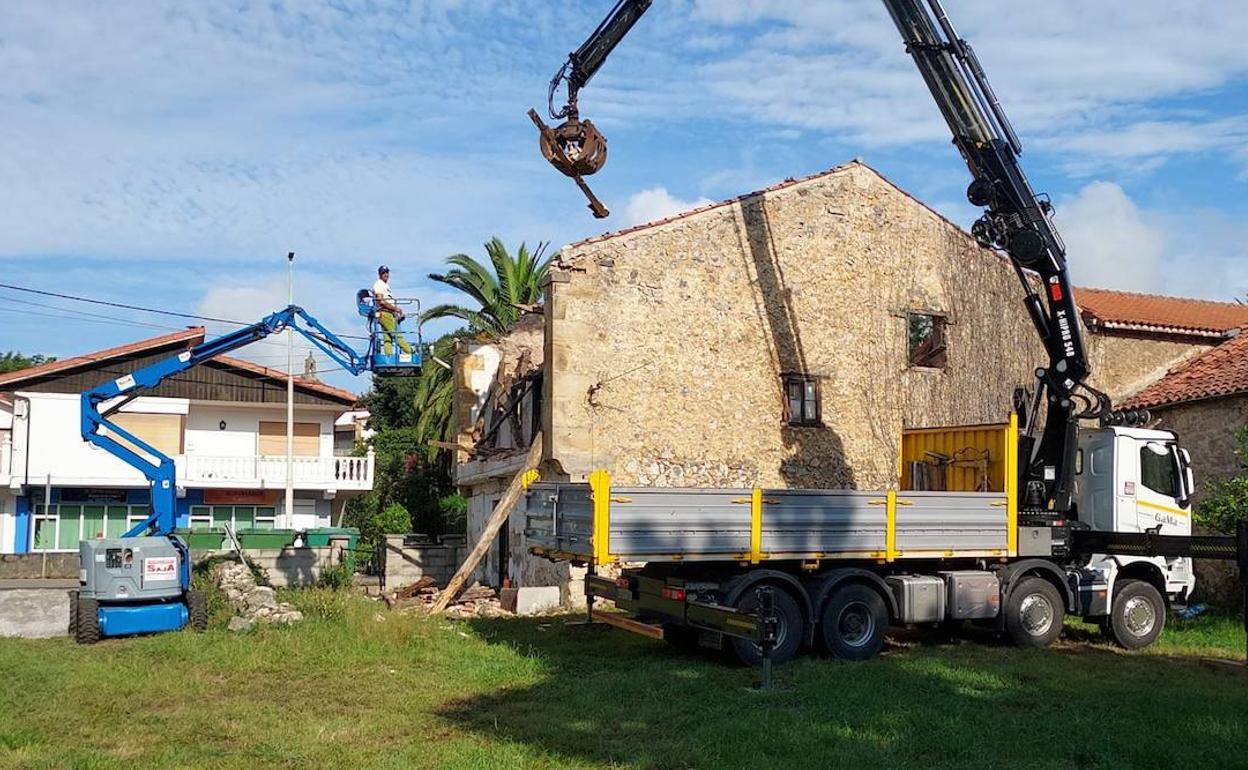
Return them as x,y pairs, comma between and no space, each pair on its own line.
1222,371
1156,313
306,383
191,335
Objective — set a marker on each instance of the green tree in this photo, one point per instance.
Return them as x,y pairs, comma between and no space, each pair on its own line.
1225,501
498,290
13,361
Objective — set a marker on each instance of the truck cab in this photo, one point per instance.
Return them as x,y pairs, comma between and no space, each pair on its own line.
1135,480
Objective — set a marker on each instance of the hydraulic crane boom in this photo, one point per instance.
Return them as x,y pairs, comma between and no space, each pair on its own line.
1017,222
583,63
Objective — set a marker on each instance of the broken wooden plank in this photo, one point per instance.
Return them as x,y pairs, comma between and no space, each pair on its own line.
497,518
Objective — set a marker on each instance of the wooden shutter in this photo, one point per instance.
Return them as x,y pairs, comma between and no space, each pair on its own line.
164,432
273,439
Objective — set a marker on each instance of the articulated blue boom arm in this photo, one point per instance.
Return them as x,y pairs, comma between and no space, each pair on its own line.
157,467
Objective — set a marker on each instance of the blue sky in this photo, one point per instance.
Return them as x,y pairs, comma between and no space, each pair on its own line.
170,154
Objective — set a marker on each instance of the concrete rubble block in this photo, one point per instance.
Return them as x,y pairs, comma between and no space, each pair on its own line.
532,600
34,613
240,624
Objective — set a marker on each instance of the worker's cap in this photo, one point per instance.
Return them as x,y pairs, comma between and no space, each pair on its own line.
382,270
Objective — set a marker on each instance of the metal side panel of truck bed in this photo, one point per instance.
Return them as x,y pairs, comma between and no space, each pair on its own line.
593,522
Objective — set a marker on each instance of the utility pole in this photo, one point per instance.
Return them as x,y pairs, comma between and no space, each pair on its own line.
290,398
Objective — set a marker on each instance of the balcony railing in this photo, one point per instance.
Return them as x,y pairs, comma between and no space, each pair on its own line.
317,472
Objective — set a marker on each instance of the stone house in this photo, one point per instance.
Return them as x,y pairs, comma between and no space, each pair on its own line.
1205,401
783,338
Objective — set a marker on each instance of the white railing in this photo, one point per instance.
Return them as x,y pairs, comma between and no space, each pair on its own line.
326,472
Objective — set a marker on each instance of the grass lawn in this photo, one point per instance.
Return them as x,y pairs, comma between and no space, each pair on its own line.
363,687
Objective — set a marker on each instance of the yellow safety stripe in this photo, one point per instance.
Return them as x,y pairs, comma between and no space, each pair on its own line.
1163,508
600,491
890,527
1011,487
756,526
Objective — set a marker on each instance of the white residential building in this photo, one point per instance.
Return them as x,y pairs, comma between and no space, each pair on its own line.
223,422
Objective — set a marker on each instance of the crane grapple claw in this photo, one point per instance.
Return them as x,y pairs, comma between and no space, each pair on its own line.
582,149
588,148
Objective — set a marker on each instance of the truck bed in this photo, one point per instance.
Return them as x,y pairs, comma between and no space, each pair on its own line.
595,523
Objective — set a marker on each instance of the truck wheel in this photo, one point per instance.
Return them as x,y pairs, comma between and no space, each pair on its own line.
853,623
788,629
1034,613
197,609
1138,614
73,613
87,622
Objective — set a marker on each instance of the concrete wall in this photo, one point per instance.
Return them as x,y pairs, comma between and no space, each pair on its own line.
405,564
1123,364
290,566
665,347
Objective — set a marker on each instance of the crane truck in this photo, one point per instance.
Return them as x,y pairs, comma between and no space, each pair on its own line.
141,582
1061,519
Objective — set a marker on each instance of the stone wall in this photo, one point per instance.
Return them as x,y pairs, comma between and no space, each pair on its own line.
34,566
523,568
287,567
1123,364
666,346
1207,430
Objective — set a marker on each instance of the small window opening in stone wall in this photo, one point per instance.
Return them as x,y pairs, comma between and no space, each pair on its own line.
926,335
801,400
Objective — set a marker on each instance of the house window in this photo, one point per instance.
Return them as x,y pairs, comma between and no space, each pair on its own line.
237,516
272,439
60,527
163,432
926,337
801,400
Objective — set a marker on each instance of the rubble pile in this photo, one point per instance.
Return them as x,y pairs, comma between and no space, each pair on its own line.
253,603
476,601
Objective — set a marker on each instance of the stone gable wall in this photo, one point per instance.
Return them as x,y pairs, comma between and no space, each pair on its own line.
1123,365
665,347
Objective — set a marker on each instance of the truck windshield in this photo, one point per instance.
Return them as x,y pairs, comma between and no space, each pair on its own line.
1158,470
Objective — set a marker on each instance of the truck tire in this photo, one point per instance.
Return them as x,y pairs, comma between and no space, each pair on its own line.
197,610
73,613
87,621
854,622
1138,614
1034,613
788,629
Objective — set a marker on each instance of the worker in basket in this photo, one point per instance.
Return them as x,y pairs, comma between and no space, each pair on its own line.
389,314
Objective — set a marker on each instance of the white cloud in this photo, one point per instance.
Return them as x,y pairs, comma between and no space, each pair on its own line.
1110,242
657,203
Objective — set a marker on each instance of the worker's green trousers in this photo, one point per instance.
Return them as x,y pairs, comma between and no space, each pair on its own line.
390,326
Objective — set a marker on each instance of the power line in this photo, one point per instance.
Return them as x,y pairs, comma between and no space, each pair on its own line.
140,308
103,319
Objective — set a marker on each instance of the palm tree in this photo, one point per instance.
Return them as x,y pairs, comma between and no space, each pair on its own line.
499,293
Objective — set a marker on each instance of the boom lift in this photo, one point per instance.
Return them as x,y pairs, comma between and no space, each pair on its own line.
141,582
1068,546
